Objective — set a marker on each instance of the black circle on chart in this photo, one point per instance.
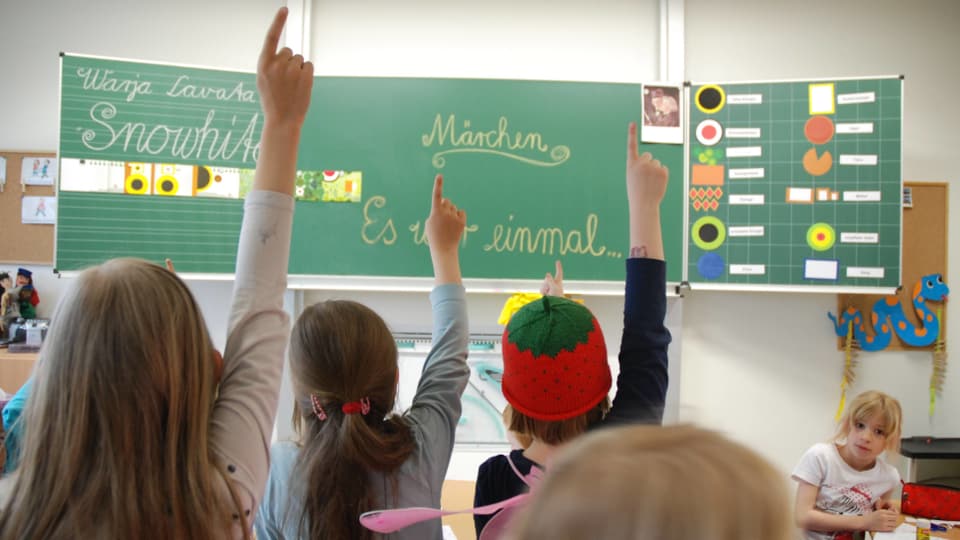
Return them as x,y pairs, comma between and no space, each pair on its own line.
708,232
136,184
710,98
166,186
203,178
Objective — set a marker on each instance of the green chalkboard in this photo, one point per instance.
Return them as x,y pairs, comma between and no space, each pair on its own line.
795,184
539,167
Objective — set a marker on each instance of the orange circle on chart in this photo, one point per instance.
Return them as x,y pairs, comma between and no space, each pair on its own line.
817,165
819,130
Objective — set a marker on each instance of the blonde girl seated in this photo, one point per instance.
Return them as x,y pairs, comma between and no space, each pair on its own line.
126,434
844,485
657,483
353,453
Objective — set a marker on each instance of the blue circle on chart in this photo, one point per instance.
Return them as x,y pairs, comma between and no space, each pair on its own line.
710,265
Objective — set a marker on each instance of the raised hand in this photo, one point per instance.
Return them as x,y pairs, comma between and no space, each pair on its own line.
553,284
646,177
646,186
284,79
444,228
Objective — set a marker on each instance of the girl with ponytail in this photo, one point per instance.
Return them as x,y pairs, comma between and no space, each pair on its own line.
352,453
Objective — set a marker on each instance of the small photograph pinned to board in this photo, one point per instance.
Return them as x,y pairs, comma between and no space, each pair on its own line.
38,210
38,171
662,114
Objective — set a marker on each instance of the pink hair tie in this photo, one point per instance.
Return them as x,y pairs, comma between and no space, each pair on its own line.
317,407
362,407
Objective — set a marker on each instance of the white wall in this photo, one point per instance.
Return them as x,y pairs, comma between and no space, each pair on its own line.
760,367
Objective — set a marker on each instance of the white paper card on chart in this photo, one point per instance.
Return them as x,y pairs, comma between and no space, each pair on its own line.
858,97
868,272
743,133
746,199
821,99
861,196
859,238
824,269
799,195
748,269
858,159
752,172
749,230
744,151
745,99
855,127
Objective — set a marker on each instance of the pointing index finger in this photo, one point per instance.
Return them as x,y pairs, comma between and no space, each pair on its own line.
273,36
437,191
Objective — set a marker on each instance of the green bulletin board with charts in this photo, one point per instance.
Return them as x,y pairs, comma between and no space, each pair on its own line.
794,185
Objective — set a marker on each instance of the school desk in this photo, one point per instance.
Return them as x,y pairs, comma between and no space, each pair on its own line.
458,495
15,369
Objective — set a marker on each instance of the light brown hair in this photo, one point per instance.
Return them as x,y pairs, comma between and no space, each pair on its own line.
116,435
657,483
342,352
556,432
867,405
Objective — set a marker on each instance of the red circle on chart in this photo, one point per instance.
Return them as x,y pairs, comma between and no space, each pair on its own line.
819,129
709,132
821,236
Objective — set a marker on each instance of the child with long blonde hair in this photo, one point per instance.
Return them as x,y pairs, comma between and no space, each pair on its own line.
136,428
353,454
845,486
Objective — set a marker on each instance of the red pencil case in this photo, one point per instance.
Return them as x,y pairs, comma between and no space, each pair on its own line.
931,501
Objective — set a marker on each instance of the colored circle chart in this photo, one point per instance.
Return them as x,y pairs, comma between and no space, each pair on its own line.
709,233
709,132
710,98
819,129
167,185
710,265
135,184
821,236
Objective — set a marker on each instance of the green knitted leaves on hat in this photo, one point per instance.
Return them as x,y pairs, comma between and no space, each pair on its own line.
550,325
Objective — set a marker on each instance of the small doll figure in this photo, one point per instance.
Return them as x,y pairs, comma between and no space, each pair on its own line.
24,278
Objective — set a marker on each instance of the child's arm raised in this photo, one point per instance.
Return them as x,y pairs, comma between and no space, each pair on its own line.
444,228
258,329
284,81
646,185
642,382
436,406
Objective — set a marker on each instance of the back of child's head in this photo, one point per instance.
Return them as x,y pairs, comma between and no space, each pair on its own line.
556,375
343,361
116,428
657,483
873,405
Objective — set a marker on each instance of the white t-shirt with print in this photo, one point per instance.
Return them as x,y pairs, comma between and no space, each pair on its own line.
843,489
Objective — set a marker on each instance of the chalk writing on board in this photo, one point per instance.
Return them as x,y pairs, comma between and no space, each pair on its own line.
548,240
221,136
388,232
498,141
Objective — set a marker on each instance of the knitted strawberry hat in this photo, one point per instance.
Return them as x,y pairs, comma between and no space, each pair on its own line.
554,360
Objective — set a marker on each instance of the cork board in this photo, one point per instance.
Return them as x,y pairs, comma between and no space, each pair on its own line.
19,242
924,252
